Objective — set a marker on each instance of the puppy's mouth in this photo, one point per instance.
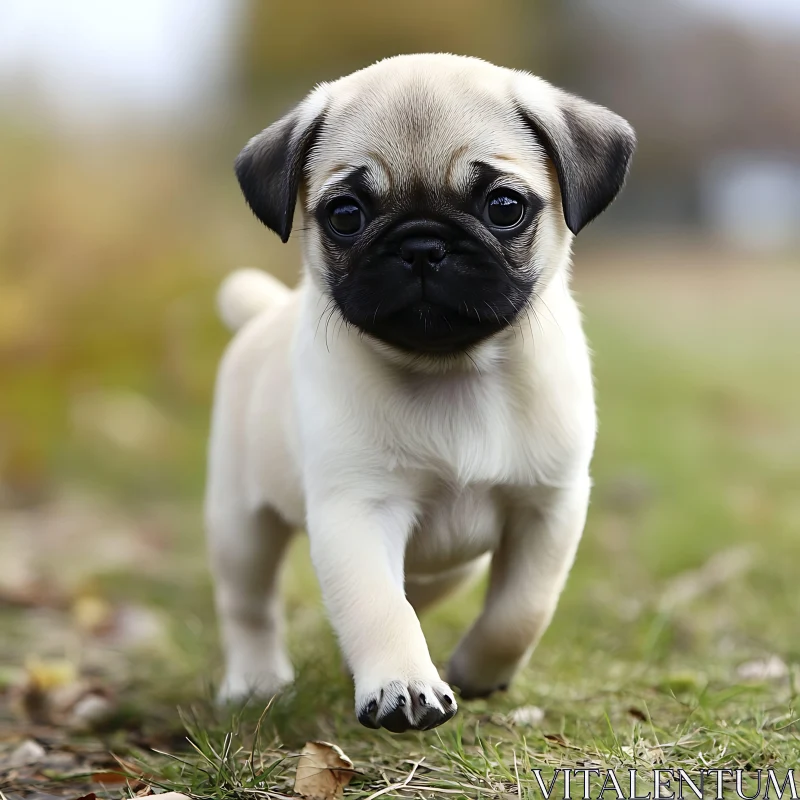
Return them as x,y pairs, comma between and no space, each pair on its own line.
425,327
427,288
425,324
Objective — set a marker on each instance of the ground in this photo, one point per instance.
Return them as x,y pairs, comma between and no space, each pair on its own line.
675,644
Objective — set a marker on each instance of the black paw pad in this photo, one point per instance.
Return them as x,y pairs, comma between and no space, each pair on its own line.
367,716
396,720
403,706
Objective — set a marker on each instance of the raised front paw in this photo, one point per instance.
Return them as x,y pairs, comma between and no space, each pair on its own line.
406,705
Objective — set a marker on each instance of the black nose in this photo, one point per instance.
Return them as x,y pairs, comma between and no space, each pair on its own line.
416,250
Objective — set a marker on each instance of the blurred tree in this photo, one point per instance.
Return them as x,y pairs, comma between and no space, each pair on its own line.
287,46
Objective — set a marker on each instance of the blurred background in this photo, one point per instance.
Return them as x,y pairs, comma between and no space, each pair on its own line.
119,215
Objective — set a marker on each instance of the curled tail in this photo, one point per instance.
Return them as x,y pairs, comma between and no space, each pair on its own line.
247,292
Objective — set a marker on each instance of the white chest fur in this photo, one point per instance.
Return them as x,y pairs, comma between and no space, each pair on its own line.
524,417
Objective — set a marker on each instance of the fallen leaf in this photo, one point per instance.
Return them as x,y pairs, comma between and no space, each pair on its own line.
526,715
93,614
130,774
323,771
132,770
763,669
91,709
41,679
48,675
29,752
52,694
108,778
644,751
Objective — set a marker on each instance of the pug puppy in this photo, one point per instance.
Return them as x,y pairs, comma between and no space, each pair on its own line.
422,403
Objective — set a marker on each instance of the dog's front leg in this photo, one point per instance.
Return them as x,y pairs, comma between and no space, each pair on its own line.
357,547
529,570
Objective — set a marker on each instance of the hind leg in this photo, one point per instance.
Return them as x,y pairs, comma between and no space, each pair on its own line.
246,551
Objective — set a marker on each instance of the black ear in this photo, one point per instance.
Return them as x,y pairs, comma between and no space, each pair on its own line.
270,167
590,147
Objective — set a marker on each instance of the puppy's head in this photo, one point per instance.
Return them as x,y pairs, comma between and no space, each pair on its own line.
439,192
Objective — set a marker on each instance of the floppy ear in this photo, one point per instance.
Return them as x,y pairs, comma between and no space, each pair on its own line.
590,147
270,166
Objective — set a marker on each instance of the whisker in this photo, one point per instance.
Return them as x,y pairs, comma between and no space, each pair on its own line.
517,324
327,306
474,363
552,316
327,325
536,317
492,309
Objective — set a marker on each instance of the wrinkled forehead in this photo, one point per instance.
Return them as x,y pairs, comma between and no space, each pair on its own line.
410,130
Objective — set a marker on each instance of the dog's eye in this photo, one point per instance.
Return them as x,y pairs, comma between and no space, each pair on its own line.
345,216
504,208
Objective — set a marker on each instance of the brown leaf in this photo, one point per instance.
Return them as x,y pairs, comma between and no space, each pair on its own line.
131,769
107,778
323,771
53,694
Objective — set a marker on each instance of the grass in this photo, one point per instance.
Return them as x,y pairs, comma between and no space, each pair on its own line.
687,572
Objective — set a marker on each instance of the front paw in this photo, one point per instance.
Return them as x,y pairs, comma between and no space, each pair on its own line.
403,705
